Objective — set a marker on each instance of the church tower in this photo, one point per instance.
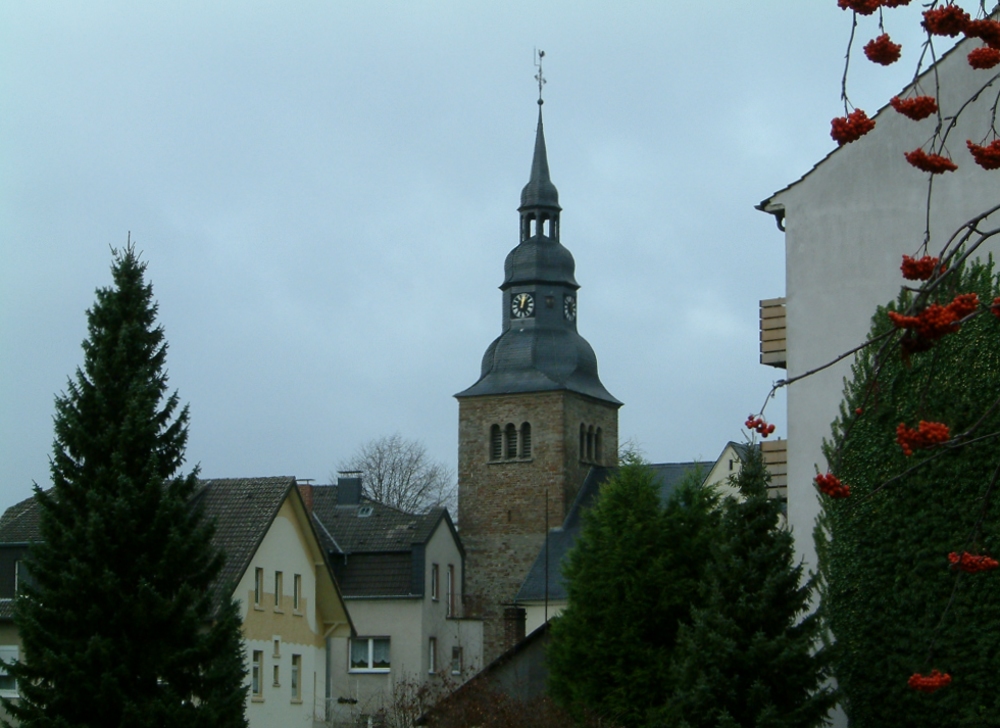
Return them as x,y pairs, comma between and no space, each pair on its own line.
537,419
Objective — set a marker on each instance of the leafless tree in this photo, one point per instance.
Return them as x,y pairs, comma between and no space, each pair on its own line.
399,473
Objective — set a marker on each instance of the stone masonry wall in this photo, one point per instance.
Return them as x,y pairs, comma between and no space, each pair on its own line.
502,504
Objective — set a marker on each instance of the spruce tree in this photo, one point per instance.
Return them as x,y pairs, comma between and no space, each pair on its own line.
119,621
751,656
630,578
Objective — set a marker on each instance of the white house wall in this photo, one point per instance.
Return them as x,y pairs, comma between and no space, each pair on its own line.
284,548
848,223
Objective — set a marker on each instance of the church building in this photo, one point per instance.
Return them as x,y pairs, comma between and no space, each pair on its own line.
534,423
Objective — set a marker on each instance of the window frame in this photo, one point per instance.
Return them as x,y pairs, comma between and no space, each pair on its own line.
297,593
435,583
371,655
258,587
257,675
296,679
450,585
456,660
432,655
279,579
8,655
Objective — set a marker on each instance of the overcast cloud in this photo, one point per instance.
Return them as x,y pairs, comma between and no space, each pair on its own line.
325,193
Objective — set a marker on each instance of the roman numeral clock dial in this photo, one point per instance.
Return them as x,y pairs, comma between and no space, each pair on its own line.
522,305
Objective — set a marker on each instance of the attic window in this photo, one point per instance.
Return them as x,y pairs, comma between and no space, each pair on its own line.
365,511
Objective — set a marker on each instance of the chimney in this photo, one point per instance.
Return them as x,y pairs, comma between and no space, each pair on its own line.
306,491
513,626
349,488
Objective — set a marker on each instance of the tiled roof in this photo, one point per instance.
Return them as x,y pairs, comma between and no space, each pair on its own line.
376,550
560,540
383,529
243,509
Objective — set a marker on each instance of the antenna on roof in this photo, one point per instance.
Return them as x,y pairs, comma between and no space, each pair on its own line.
539,55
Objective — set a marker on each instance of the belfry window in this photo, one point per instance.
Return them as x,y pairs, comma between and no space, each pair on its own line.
496,443
598,446
583,441
590,443
510,442
526,440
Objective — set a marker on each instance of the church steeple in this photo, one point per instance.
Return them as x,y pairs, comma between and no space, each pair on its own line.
539,349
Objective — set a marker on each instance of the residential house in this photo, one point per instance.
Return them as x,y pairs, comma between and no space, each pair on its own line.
290,603
846,225
402,576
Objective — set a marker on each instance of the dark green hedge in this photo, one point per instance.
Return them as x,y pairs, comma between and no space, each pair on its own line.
883,555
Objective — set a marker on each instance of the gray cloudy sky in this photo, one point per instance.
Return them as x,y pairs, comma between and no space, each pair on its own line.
325,193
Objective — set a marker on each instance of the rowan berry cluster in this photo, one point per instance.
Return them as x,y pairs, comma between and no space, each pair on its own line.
987,30
829,484
972,563
757,423
861,7
929,683
983,58
917,108
919,269
927,434
947,20
933,163
936,320
995,308
987,157
850,128
883,51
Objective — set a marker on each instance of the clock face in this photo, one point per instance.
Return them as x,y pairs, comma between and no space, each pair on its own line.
569,307
522,305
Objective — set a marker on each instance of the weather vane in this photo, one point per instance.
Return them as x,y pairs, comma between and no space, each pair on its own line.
539,55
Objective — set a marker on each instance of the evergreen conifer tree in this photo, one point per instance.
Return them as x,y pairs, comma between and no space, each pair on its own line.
631,578
751,657
120,621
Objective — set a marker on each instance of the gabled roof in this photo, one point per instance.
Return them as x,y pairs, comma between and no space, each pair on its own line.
772,206
377,551
370,526
560,540
243,510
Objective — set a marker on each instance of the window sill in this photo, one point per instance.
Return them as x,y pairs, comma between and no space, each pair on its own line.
256,698
369,671
279,611
296,701
508,461
297,613
258,608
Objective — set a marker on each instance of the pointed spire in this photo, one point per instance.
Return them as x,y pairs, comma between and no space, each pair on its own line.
539,192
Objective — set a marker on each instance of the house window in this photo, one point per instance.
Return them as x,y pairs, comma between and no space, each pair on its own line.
370,654
496,443
257,674
17,578
451,590
435,578
277,682
296,592
258,586
278,577
8,685
432,655
296,677
456,660
510,442
526,440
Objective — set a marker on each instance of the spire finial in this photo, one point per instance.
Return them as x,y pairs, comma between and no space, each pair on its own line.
539,55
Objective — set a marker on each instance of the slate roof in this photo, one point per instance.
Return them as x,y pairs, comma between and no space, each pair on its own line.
243,509
560,540
376,550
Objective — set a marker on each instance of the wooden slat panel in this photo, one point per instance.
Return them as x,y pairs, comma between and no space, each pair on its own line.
772,334
773,358
768,346
772,323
